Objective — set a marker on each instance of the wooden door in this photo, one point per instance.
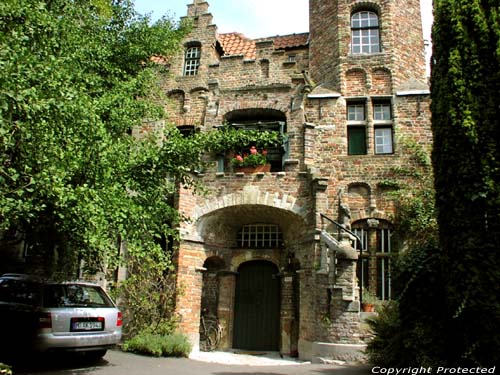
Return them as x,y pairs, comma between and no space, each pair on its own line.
257,307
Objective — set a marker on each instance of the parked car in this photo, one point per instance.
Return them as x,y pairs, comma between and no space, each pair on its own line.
41,315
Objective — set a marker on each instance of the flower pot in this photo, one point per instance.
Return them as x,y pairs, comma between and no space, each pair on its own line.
368,307
258,168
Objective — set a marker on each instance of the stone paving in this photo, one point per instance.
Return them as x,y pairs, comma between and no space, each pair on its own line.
246,358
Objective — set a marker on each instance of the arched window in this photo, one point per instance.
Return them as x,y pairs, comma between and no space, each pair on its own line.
192,60
365,35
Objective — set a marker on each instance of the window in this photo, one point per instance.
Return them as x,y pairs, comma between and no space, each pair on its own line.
356,129
382,119
365,33
382,112
262,119
260,236
383,140
192,61
374,266
356,112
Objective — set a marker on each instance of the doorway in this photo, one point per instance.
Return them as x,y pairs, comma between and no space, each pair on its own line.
257,307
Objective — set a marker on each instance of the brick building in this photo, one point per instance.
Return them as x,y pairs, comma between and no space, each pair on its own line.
261,251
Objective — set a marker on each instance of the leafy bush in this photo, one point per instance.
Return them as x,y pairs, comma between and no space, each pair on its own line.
409,332
172,345
147,297
385,347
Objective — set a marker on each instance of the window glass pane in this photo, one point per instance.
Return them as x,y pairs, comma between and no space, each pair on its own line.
383,140
365,23
384,278
192,61
357,140
356,112
382,112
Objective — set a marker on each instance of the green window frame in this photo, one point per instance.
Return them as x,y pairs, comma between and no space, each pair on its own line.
356,137
356,128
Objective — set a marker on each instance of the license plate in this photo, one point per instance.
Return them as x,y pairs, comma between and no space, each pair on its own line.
87,324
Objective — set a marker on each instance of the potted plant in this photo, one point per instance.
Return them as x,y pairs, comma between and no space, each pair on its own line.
369,301
251,162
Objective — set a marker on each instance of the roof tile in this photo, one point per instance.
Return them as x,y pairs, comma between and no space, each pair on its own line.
239,44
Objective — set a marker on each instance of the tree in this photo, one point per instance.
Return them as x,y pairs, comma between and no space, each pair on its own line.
466,126
76,78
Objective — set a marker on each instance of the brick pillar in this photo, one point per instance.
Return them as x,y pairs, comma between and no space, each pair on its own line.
189,287
225,308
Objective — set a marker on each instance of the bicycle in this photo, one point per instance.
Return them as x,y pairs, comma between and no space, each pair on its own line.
210,333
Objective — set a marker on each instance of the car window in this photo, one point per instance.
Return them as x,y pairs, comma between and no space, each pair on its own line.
20,291
75,295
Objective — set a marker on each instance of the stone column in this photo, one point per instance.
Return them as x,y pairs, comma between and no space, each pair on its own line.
287,313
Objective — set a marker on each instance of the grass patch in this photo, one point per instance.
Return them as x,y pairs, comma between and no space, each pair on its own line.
171,345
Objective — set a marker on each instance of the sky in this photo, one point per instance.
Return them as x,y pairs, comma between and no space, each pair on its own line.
255,18
258,18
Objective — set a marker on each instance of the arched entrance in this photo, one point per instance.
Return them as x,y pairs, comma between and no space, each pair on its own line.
257,307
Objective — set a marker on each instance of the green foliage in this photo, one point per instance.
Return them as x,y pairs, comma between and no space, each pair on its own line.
230,138
385,348
147,296
71,76
171,345
409,332
466,127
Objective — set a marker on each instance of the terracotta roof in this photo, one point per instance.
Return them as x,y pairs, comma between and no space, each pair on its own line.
288,41
162,60
239,44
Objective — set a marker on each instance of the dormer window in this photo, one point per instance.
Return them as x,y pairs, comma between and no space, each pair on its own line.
365,35
192,60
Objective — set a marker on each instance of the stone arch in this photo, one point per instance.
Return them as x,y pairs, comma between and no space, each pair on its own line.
355,82
238,260
359,197
359,6
176,96
262,106
198,89
381,81
252,195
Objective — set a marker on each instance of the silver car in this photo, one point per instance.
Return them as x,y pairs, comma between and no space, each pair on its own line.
49,316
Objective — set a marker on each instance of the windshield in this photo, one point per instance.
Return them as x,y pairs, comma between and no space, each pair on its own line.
75,295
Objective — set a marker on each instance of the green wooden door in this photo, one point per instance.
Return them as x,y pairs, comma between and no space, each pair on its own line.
257,307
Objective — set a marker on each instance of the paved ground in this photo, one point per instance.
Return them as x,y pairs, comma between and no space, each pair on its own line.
119,363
